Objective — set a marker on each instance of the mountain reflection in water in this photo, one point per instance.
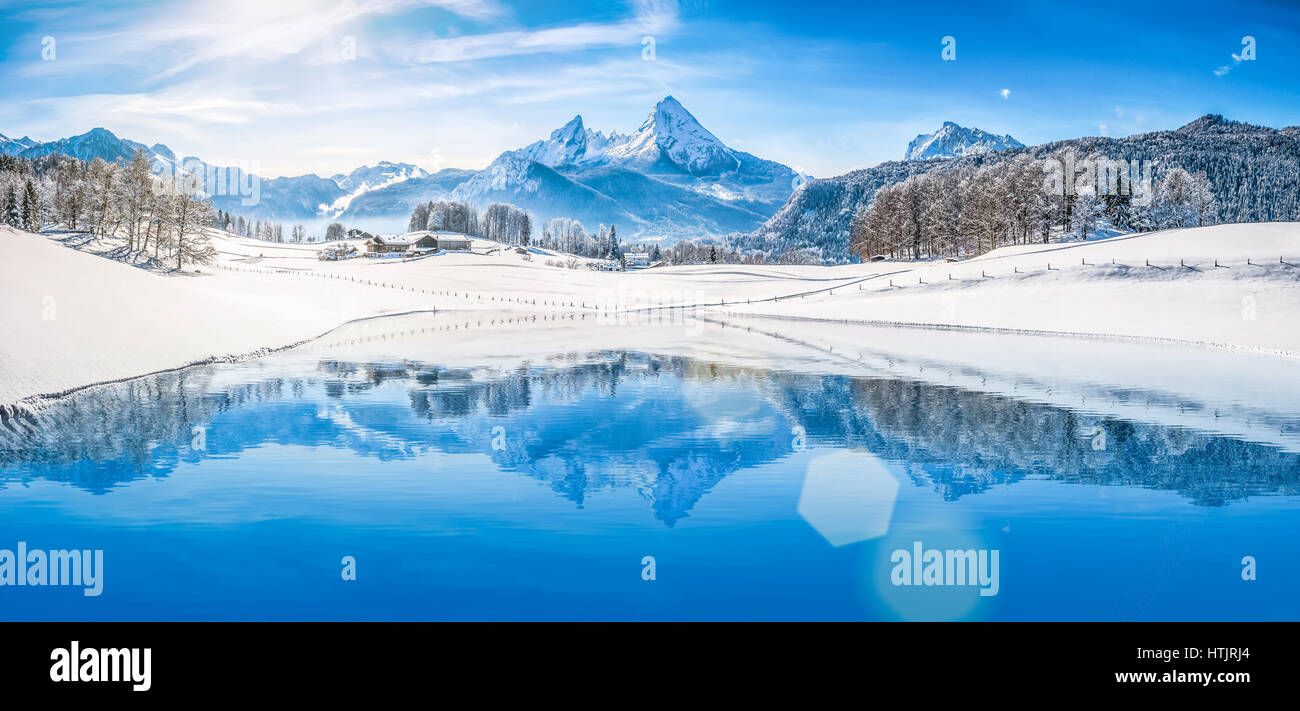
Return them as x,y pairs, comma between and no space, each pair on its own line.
671,428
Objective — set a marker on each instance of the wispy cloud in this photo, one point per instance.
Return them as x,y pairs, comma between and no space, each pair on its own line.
650,17
1247,54
182,103
197,33
1236,59
277,80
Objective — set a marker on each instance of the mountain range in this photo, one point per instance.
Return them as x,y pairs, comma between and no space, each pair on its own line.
952,141
671,178
1251,169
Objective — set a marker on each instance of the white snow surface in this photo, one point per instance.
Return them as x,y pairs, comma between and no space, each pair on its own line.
73,318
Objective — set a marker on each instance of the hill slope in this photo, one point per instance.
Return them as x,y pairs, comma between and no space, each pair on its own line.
1251,170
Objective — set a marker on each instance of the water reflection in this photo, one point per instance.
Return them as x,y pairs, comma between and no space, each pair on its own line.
668,427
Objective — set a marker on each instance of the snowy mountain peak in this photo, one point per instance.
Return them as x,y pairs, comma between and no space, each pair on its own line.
571,131
641,180
14,146
952,140
670,133
366,178
569,144
1210,123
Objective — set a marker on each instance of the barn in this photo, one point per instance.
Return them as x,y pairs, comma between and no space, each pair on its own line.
451,240
380,245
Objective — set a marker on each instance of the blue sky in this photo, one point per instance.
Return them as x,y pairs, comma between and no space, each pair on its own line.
824,87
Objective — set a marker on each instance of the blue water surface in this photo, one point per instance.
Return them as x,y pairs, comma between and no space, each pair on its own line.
542,491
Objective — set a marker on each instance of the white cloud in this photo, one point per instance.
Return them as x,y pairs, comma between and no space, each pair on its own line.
203,32
1236,59
651,17
1006,93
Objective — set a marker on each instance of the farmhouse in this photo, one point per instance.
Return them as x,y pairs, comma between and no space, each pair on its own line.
451,240
380,245
637,259
422,241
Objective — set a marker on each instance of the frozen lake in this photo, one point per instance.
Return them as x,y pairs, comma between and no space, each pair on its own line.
497,467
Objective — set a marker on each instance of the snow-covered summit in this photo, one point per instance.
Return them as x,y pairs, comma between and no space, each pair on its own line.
671,176
14,146
671,133
952,140
367,179
382,173
95,143
570,144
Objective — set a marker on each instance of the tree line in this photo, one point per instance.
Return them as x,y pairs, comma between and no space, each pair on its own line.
511,225
155,217
508,224
966,210
267,230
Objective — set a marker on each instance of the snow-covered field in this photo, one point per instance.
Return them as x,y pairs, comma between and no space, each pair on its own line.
1230,285
72,318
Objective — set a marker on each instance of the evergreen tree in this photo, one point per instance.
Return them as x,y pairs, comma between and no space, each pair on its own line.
611,246
31,208
13,212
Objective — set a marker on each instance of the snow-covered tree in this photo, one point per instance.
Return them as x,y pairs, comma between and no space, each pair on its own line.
13,214
190,231
1088,208
1176,200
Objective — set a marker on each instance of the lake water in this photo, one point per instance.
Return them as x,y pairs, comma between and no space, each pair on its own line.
500,468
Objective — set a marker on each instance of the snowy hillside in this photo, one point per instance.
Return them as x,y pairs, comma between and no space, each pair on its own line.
1251,170
367,179
951,141
1162,285
387,207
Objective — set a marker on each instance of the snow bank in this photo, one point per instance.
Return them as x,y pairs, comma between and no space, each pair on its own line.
73,319
1163,285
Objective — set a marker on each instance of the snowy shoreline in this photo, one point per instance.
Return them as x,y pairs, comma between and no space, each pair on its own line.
1116,337
76,320
32,403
